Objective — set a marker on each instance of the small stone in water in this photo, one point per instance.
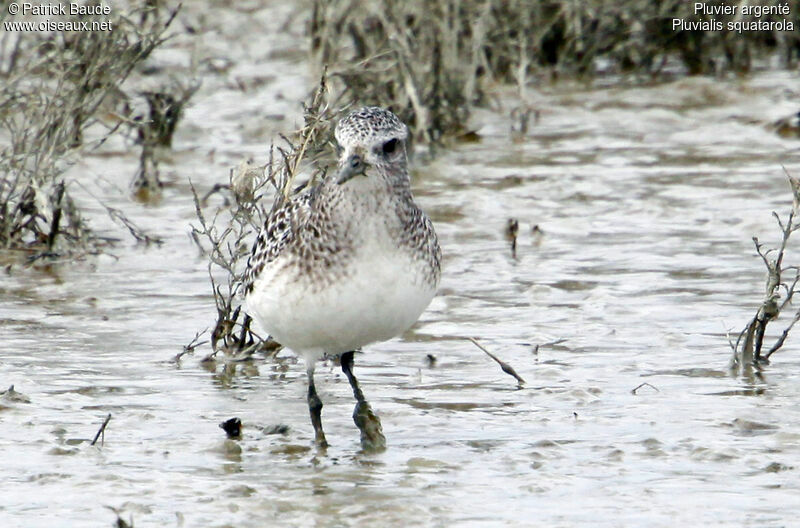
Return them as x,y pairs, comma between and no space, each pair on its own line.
11,395
276,429
232,427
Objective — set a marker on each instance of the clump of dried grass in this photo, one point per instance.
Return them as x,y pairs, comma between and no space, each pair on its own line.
223,237
155,132
55,86
431,61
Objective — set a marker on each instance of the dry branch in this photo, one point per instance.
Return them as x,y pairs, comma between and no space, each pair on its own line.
102,430
511,232
508,369
645,384
747,350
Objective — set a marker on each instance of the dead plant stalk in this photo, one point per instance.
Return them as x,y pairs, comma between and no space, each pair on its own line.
778,294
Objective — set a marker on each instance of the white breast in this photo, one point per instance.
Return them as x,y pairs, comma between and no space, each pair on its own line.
379,295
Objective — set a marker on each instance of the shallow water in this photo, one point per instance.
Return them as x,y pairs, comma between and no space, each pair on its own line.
647,197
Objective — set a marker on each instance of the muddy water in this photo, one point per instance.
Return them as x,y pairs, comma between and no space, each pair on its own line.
647,198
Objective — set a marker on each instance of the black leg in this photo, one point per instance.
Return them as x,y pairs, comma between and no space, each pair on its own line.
315,409
372,438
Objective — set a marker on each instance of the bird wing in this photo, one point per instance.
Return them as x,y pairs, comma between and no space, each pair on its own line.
280,228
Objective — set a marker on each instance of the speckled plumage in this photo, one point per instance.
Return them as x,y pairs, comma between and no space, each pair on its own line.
353,260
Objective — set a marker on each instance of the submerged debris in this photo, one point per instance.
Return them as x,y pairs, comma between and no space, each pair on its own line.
537,234
155,133
521,120
120,522
512,230
280,429
165,108
12,396
788,127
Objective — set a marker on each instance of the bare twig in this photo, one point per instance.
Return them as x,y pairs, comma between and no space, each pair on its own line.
226,249
555,342
189,349
317,123
512,229
508,369
750,342
634,390
729,338
102,430
779,343
218,187
57,207
139,234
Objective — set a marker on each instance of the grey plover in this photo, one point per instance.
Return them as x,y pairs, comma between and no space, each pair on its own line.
350,262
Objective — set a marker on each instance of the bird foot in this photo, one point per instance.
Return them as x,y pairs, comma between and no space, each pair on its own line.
369,424
320,441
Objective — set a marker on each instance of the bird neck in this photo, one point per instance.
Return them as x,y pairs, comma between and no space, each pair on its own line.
372,193
379,181
396,178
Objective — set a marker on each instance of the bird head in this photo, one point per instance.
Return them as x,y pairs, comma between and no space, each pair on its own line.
371,137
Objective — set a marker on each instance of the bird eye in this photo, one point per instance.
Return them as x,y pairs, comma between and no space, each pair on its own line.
390,146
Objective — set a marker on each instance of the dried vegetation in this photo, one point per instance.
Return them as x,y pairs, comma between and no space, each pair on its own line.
433,61
54,87
225,237
751,350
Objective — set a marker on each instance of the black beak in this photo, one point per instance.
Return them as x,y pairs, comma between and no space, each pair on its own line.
352,166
